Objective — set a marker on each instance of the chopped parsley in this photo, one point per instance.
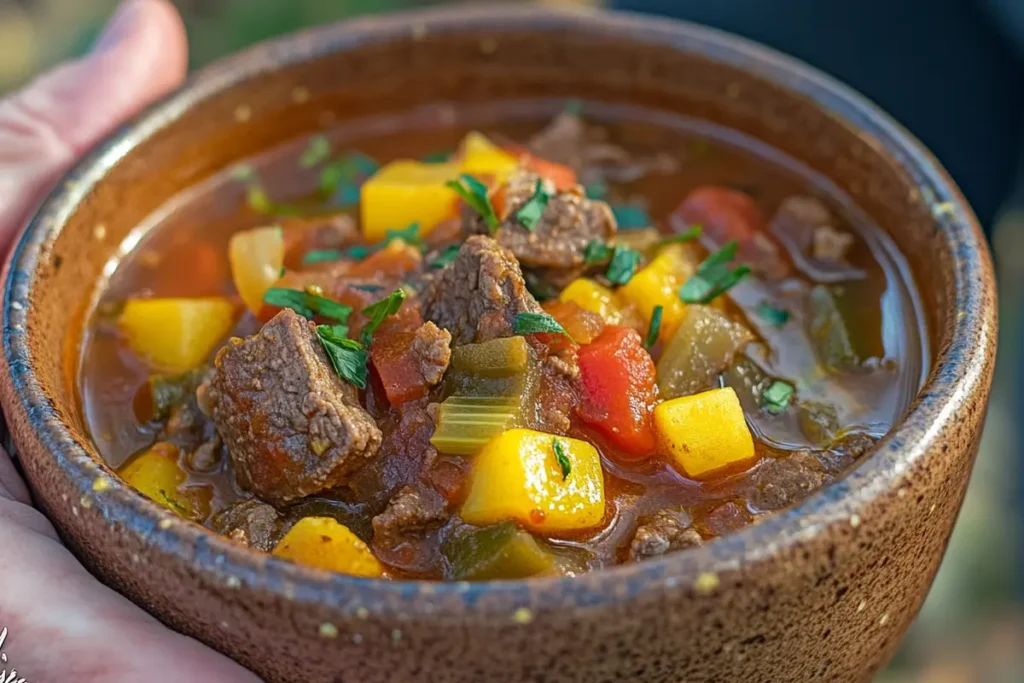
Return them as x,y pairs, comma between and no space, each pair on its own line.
317,151
437,157
596,190
347,356
537,323
530,213
307,304
776,398
631,217
322,256
409,234
347,171
597,252
558,445
475,194
776,317
714,276
379,311
655,328
446,257
623,264
358,252
693,233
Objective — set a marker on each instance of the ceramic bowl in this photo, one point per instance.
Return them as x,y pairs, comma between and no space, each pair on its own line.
822,591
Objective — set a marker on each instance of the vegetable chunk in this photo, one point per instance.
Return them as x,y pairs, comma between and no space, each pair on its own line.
521,475
256,257
705,434
502,551
658,285
323,543
405,192
157,475
175,335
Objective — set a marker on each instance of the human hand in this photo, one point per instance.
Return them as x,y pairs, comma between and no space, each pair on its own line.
62,624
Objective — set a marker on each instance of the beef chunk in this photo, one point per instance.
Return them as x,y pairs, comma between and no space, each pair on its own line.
431,347
557,243
293,428
786,481
413,510
829,244
797,219
477,297
250,523
667,531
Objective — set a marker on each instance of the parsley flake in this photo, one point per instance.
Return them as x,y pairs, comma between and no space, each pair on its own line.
558,445
409,234
317,151
693,233
347,171
321,256
655,329
307,304
446,257
530,213
537,323
623,264
777,397
776,317
348,357
713,276
597,252
631,217
475,194
379,311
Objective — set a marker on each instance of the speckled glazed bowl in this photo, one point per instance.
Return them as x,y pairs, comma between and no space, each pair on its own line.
823,591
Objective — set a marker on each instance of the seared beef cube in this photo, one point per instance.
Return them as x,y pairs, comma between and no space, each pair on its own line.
667,531
431,347
786,481
477,297
250,522
413,510
556,244
293,428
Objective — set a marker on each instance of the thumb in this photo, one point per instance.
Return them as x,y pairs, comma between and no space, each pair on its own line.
141,55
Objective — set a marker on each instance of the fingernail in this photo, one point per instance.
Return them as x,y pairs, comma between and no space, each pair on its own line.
118,27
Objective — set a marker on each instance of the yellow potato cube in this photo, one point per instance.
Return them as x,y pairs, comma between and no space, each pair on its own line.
480,156
658,285
175,335
405,192
521,475
705,433
157,475
324,543
594,297
256,258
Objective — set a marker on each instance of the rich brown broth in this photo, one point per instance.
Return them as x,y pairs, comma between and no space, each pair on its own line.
182,252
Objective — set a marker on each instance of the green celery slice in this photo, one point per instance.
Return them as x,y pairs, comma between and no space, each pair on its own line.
466,423
500,551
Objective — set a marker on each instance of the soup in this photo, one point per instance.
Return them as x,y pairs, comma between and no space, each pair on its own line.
499,344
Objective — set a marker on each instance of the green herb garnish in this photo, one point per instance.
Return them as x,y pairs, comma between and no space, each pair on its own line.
321,256
349,170
597,252
693,233
475,193
317,151
437,157
537,323
307,304
623,264
713,276
530,213
629,217
347,356
655,328
358,252
410,235
446,257
596,190
776,317
562,457
777,397
260,202
379,311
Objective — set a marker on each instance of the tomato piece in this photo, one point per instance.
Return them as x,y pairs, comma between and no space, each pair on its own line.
564,177
398,368
619,390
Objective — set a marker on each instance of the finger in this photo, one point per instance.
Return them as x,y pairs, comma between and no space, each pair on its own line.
141,55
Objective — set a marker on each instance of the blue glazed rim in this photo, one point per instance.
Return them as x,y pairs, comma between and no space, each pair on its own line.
958,369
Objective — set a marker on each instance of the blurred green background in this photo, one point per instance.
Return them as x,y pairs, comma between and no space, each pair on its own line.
972,627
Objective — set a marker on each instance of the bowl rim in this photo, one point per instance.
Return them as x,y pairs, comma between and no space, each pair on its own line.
957,371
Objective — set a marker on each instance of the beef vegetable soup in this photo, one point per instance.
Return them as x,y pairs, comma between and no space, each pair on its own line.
558,344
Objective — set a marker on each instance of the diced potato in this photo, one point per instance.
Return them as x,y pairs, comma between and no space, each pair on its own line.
704,434
517,476
405,192
480,156
156,474
658,285
175,335
594,297
324,543
256,257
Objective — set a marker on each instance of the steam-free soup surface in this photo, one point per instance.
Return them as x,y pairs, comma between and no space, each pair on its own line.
499,344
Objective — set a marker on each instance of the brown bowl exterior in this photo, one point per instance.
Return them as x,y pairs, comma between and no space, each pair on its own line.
825,590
